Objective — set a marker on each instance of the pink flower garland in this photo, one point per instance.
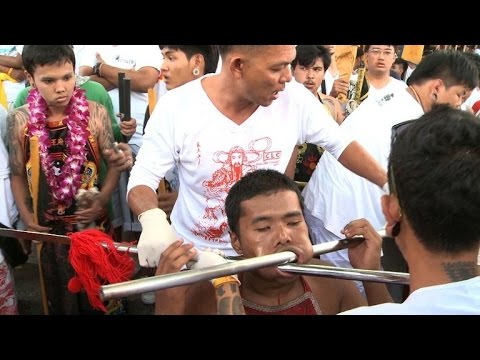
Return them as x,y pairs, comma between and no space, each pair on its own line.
65,185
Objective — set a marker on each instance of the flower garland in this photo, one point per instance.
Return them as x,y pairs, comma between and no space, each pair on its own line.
65,185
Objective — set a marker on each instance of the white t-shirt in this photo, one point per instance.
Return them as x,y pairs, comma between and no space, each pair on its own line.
8,210
127,57
187,129
457,298
79,53
329,80
336,195
12,88
472,99
408,72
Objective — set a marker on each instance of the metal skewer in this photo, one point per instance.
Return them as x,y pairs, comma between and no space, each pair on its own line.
58,239
159,282
349,274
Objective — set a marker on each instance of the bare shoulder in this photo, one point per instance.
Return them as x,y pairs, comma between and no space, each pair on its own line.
329,292
16,122
97,113
18,118
96,109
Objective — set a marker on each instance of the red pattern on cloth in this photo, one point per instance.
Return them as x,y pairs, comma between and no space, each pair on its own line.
8,301
305,304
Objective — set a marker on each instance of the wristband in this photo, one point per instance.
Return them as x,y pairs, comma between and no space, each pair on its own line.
96,69
100,69
225,279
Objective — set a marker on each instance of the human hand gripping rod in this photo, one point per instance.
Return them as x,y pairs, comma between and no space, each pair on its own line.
165,281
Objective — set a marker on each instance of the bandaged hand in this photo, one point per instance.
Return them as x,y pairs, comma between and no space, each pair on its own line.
208,258
157,234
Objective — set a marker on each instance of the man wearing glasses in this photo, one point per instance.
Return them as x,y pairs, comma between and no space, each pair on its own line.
374,77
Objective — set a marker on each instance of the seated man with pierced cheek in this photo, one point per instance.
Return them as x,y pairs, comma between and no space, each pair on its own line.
265,216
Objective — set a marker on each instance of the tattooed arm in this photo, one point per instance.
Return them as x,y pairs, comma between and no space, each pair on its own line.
16,121
229,299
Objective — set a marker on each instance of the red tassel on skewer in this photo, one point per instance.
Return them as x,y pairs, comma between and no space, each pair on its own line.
95,265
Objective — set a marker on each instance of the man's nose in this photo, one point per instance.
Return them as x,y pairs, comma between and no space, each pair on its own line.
287,76
283,235
60,87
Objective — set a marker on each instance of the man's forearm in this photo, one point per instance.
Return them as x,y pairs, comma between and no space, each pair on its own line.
141,198
376,293
358,160
106,84
11,61
109,184
22,198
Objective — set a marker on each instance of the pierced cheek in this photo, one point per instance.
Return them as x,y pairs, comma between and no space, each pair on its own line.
264,247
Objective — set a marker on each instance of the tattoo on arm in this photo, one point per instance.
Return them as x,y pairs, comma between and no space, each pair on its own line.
220,291
229,302
16,121
101,122
460,270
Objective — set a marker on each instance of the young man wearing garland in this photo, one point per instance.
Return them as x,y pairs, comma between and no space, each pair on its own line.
56,143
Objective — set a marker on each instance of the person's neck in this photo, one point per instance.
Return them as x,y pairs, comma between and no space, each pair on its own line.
268,292
429,269
420,96
55,113
222,94
377,80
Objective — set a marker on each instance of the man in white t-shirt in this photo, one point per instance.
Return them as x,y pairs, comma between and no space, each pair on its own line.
472,103
433,213
252,105
12,76
8,216
140,63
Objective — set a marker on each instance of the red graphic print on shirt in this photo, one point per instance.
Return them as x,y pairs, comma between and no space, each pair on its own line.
233,164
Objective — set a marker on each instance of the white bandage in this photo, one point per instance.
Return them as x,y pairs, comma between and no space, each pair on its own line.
207,258
157,234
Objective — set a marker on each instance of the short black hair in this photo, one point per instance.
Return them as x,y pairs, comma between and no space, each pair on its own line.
475,58
209,52
453,67
434,168
40,55
308,54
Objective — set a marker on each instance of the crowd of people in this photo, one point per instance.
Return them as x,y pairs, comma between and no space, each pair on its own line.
219,158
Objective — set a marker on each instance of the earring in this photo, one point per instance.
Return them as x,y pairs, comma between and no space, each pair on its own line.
196,71
396,229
